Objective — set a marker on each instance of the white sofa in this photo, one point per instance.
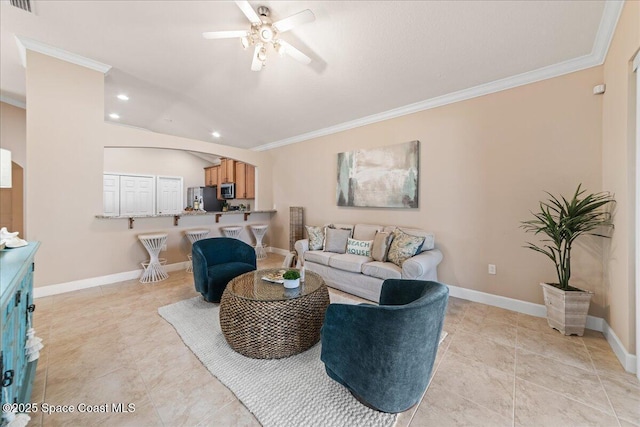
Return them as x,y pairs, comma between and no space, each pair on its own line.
362,276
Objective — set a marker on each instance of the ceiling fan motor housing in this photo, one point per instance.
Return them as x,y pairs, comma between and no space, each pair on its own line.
264,11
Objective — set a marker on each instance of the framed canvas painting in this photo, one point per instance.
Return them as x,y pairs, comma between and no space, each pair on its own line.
384,177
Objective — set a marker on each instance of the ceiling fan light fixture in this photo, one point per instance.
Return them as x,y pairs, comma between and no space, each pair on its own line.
266,34
262,54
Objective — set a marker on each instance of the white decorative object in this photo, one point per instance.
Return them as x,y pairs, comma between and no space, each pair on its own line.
194,236
33,345
259,230
10,239
153,270
302,272
233,232
11,418
5,168
291,283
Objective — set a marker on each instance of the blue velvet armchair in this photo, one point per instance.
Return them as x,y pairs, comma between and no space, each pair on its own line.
384,354
218,260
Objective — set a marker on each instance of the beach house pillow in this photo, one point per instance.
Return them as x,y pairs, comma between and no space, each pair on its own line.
403,246
316,237
335,240
380,247
359,247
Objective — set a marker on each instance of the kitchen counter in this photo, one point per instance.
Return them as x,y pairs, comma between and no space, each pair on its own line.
176,217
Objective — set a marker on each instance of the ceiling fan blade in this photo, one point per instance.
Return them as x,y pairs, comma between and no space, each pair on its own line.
294,20
225,34
294,53
248,11
256,65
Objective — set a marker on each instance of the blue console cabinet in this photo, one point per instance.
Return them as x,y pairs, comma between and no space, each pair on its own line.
16,292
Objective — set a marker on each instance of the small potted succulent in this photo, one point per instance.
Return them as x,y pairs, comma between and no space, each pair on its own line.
291,279
561,222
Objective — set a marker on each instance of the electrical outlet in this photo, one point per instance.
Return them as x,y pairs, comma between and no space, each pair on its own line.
164,248
492,269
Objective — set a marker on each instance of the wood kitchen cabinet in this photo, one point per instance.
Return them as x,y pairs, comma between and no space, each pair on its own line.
211,176
245,181
227,171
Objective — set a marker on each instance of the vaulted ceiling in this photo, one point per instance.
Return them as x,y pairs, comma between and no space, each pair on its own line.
371,59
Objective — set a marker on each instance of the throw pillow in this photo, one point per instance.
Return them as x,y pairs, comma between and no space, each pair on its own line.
404,246
316,237
380,248
359,247
336,240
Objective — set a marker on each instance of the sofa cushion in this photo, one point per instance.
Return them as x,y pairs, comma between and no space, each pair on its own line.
319,257
429,238
335,240
359,247
348,262
403,246
366,231
316,237
382,270
381,244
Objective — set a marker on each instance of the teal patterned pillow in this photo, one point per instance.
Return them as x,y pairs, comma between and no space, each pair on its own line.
316,237
403,247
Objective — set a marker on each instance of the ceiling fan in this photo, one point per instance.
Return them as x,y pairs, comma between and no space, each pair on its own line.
264,34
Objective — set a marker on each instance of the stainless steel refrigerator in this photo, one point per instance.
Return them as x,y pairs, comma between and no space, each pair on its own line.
206,196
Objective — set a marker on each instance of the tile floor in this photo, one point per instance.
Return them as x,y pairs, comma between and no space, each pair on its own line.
109,345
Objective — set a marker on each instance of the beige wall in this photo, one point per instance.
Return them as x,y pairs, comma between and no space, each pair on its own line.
154,161
484,164
66,136
618,136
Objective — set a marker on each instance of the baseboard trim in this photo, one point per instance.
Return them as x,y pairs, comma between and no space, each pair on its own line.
92,282
278,251
627,360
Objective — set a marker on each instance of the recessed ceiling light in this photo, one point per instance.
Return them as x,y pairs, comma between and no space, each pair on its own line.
114,116
215,134
123,97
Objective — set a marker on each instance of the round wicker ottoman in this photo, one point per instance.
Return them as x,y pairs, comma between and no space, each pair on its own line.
263,320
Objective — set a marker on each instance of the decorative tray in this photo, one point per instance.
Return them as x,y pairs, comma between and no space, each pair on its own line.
275,277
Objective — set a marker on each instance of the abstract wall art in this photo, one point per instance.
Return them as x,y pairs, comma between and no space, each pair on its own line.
384,177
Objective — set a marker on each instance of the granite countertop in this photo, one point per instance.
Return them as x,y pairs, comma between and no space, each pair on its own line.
188,213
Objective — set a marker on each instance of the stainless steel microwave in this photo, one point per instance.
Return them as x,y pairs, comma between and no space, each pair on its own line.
228,191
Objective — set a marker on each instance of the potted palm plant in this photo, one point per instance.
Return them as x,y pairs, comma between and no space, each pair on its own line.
562,221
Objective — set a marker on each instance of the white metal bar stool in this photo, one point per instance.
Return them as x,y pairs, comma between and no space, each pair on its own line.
194,236
233,232
154,269
259,231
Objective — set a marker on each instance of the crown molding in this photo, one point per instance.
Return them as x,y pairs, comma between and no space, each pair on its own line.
608,22
25,43
14,102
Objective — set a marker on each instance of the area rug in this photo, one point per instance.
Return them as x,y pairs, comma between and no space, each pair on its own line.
293,391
